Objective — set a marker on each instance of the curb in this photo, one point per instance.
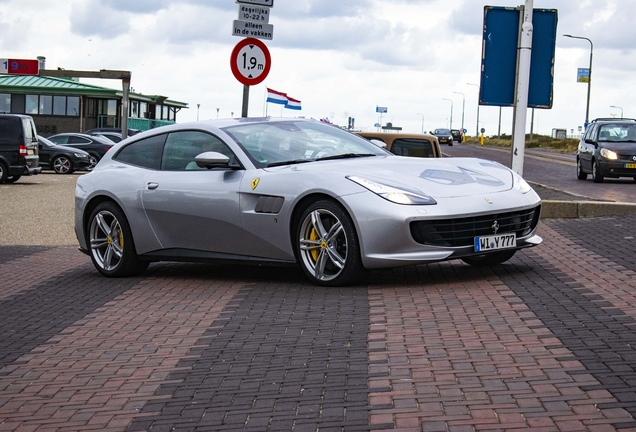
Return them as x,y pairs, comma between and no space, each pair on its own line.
554,209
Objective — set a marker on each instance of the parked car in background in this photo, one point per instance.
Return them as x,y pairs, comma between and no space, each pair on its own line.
131,132
607,149
95,146
113,136
18,147
62,159
444,136
457,135
295,192
416,145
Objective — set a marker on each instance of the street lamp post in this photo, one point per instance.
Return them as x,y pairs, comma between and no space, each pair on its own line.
422,121
478,90
589,78
617,107
198,106
463,107
451,115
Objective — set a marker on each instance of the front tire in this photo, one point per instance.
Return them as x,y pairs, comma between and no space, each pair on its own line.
580,174
327,245
62,165
13,179
596,176
111,244
490,259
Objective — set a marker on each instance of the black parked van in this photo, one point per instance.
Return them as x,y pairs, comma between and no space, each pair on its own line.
18,147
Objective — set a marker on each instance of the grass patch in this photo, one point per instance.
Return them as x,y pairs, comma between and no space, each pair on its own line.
565,146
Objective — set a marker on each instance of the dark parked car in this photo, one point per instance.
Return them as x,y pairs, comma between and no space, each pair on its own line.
607,149
113,136
62,159
444,136
95,146
457,135
18,147
131,132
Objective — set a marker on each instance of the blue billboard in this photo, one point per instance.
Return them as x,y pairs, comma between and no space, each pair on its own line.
499,56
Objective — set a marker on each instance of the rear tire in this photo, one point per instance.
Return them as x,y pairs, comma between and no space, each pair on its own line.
92,161
110,242
4,173
13,179
490,259
62,165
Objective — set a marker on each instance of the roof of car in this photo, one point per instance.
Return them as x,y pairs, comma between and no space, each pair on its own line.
613,120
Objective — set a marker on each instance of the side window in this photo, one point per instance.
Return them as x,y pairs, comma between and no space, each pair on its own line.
62,139
144,153
77,140
412,147
182,147
589,134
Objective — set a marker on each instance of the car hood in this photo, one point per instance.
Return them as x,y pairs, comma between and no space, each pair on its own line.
438,178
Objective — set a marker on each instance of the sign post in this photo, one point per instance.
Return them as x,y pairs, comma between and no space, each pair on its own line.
250,63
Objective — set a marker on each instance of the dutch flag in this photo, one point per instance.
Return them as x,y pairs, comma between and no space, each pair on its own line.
277,97
292,103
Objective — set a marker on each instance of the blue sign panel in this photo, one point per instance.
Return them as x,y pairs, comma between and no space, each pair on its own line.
499,56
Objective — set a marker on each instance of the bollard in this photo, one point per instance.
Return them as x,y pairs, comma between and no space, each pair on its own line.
481,140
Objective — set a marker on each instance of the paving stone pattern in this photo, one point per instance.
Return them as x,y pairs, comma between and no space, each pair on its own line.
544,342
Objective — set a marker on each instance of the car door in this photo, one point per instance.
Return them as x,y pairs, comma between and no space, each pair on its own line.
193,208
45,154
586,149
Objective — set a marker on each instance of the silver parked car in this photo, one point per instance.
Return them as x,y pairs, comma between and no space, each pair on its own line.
294,192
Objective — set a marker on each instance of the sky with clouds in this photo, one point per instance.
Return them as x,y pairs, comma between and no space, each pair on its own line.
341,58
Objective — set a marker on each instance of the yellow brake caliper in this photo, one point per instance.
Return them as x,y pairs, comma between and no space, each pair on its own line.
314,236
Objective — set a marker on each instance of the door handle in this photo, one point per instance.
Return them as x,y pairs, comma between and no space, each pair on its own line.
153,186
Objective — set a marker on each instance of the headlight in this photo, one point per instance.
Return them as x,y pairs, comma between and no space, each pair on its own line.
398,196
520,184
608,154
80,155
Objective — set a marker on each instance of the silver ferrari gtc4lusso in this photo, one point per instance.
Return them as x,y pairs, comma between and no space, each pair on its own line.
294,192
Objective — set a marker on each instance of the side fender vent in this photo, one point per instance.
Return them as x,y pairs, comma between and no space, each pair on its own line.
269,204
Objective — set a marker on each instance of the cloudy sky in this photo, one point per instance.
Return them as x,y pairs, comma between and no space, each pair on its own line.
341,58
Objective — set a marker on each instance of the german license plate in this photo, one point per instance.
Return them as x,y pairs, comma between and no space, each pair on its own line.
29,152
494,242
630,165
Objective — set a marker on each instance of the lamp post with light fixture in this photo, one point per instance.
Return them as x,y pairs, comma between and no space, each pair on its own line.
463,107
589,78
478,91
451,114
617,107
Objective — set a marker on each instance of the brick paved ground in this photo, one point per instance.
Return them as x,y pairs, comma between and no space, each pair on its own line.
545,342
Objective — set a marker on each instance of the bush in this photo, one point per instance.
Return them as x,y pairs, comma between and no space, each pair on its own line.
567,145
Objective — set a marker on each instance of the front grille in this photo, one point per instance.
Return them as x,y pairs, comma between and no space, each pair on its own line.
462,231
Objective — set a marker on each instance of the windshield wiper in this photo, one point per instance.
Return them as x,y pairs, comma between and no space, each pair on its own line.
289,162
345,156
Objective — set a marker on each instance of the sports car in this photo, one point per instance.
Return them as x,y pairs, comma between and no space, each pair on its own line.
294,192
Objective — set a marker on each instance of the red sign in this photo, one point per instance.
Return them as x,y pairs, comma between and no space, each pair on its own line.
250,61
20,67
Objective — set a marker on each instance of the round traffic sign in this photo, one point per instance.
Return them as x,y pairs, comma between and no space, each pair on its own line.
250,61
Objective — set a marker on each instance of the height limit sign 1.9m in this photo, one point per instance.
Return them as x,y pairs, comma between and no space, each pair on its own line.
250,61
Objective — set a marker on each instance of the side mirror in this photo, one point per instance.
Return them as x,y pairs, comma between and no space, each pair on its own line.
211,160
379,143
590,141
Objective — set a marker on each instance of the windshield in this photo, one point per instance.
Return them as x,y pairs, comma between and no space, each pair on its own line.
443,131
617,132
294,141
